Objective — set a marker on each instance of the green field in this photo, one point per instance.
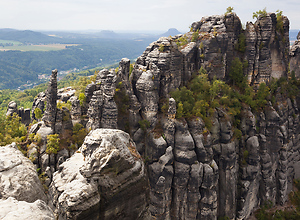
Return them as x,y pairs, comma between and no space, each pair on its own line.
9,42
23,47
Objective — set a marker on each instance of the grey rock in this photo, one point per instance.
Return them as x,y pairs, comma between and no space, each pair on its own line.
160,177
102,111
76,110
24,114
12,209
108,165
18,176
65,94
12,108
39,102
71,194
51,99
295,58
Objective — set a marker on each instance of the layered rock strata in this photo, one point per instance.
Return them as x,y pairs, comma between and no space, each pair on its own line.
188,172
51,99
295,57
105,179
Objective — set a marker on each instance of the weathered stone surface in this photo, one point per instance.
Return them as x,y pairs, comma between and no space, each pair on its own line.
24,114
148,93
160,178
12,108
39,102
102,111
194,172
18,176
12,209
71,194
106,180
75,110
51,98
267,51
295,57
65,94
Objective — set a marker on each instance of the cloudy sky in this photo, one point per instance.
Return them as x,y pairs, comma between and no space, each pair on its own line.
137,15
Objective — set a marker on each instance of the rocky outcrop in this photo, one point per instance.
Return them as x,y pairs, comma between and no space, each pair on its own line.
105,179
76,111
18,176
188,171
11,108
295,57
12,209
267,46
24,114
102,111
51,99
65,94
38,102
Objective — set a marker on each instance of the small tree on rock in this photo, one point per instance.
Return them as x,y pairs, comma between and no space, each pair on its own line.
52,144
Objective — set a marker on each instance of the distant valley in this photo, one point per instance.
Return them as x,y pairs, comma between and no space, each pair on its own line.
27,57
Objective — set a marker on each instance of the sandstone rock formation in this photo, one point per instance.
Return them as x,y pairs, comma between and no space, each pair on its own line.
182,169
24,114
18,176
105,179
102,111
11,108
51,99
295,57
12,209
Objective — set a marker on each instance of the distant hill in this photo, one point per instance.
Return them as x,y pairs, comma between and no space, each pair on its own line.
12,74
170,32
27,36
107,34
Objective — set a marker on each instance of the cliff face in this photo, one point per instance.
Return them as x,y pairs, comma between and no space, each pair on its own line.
214,42
187,171
295,57
196,174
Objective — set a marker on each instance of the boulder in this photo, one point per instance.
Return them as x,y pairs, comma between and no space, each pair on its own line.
18,176
12,108
105,179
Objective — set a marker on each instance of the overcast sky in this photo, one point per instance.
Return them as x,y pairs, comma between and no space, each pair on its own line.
138,15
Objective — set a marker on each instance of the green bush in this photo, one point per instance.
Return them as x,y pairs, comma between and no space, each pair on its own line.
52,144
11,129
229,10
195,36
82,99
236,73
182,41
38,113
79,133
279,24
161,48
144,124
241,45
262,13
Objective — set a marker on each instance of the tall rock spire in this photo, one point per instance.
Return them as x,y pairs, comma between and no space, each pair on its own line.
51,99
